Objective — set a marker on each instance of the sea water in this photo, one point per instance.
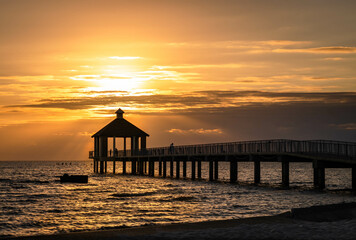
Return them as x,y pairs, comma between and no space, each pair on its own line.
34,202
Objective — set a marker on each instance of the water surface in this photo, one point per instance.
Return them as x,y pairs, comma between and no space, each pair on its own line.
32,202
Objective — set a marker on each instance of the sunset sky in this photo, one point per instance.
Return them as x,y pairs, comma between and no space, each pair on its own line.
184,71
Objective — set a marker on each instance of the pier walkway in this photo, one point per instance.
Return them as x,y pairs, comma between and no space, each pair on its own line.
322,153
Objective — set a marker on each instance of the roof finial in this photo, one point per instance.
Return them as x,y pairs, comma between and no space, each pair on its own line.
120,113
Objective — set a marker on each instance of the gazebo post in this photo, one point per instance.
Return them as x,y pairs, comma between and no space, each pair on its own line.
103,152
143,145
96,154
113,152
132,146
124,146
136,145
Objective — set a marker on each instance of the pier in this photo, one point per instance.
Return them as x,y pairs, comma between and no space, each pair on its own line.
143,161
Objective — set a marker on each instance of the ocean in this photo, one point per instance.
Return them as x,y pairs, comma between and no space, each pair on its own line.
34,202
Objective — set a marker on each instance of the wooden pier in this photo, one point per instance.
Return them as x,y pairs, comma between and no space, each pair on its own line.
321,153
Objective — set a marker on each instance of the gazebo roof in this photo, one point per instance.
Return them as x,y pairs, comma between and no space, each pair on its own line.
120,127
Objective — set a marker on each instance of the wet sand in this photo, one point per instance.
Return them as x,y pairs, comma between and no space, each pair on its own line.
337,221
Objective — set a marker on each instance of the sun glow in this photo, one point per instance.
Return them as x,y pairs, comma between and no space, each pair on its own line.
118,82
109,76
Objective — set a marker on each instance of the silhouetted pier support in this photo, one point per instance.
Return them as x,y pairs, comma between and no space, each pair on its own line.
319,175
160,167
353,176
216,169
177,168
151,167
140,166
192,168
164,168
211,170
199,169
133,166
285,172
171,168
124,166
233,170
139,163
96,166
257,171
101,167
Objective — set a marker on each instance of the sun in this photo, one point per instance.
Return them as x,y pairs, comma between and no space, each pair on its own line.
118,82
111,76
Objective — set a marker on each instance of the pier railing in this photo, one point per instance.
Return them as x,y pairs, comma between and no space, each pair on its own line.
319,147
306,147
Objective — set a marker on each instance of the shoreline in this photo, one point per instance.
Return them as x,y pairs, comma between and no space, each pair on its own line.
152,229
324,216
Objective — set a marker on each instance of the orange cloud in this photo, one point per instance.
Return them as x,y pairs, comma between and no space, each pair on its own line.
196,131
332,49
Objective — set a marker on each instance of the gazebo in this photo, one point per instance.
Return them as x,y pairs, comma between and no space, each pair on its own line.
118,128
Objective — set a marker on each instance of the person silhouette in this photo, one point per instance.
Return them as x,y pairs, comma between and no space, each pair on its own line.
171,148
116,152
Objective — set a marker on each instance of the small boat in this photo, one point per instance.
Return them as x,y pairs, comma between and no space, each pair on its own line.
74,178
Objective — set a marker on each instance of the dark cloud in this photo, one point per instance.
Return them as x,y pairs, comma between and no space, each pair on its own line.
335,96
335,49
207,99
298,120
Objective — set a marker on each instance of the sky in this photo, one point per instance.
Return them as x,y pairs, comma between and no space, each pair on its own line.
187,72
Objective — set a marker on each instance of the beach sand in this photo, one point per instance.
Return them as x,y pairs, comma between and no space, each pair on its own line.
337,221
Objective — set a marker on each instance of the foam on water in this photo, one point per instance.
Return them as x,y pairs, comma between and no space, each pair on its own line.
33,201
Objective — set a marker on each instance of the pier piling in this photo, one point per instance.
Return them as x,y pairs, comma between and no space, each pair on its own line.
192,168
211,170
257,171
124,166
233,170
133,166
177,168
184,168
160,167
199,169
353,176
171,168
216,169
319,177
285,173
164,168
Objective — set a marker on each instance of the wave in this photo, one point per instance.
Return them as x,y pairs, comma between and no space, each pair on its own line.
41,195
55,211
241,206
33,181
5,180
178,199
144,194
129,195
